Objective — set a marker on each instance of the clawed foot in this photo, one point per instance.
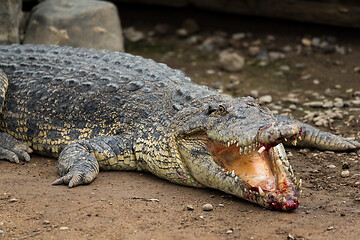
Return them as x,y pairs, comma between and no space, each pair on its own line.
75,178
13,150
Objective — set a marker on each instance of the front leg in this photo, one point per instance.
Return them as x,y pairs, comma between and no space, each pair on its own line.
80,161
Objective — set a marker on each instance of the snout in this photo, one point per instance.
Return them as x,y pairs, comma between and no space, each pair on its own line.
279,132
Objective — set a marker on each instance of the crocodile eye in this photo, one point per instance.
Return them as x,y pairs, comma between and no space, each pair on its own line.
216,110
222,110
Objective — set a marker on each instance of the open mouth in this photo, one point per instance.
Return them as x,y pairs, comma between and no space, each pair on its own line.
264,170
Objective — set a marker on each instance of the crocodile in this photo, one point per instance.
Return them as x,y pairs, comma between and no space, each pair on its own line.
96,109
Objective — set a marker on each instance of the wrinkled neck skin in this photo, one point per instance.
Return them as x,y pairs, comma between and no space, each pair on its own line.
235,146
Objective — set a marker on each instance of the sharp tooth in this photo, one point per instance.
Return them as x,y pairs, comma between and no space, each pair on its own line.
240,150
283,200
261,149
249,148
261,192
245,150
228,144
291,170
299,183
236,178
237,144
285,139
250,192
233,173
294,142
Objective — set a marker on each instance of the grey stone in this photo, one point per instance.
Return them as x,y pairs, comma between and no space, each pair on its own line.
331,166
81,23
10,16
232,62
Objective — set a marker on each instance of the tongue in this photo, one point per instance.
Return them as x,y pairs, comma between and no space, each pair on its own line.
252,168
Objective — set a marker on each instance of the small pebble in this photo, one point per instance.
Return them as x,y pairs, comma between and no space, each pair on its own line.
221,205
265,99
189,207
229,231
306,41
316,82
64,228
232,62
345,173
46,222
238,36
254,93
254,50
208,207
284,68
328,104
1,232
331,166
292,107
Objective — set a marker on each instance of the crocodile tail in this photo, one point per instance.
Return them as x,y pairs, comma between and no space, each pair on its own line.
315,138
3,87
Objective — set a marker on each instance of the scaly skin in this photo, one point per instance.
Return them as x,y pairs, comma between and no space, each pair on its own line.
107,110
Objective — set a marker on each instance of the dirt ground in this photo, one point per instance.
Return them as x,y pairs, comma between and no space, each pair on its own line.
135,205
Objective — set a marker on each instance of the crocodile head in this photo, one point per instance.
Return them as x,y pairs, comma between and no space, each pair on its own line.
236,146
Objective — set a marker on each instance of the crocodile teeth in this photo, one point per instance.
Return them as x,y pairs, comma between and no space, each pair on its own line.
233,173
294,142
261,149
245,150
299,184
261,192
283,200
228,143
236,178
240,150
237,144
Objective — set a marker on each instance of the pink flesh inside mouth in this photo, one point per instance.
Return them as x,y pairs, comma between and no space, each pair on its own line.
257,169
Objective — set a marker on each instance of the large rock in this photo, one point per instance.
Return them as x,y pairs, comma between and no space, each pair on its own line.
77,23
10,15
